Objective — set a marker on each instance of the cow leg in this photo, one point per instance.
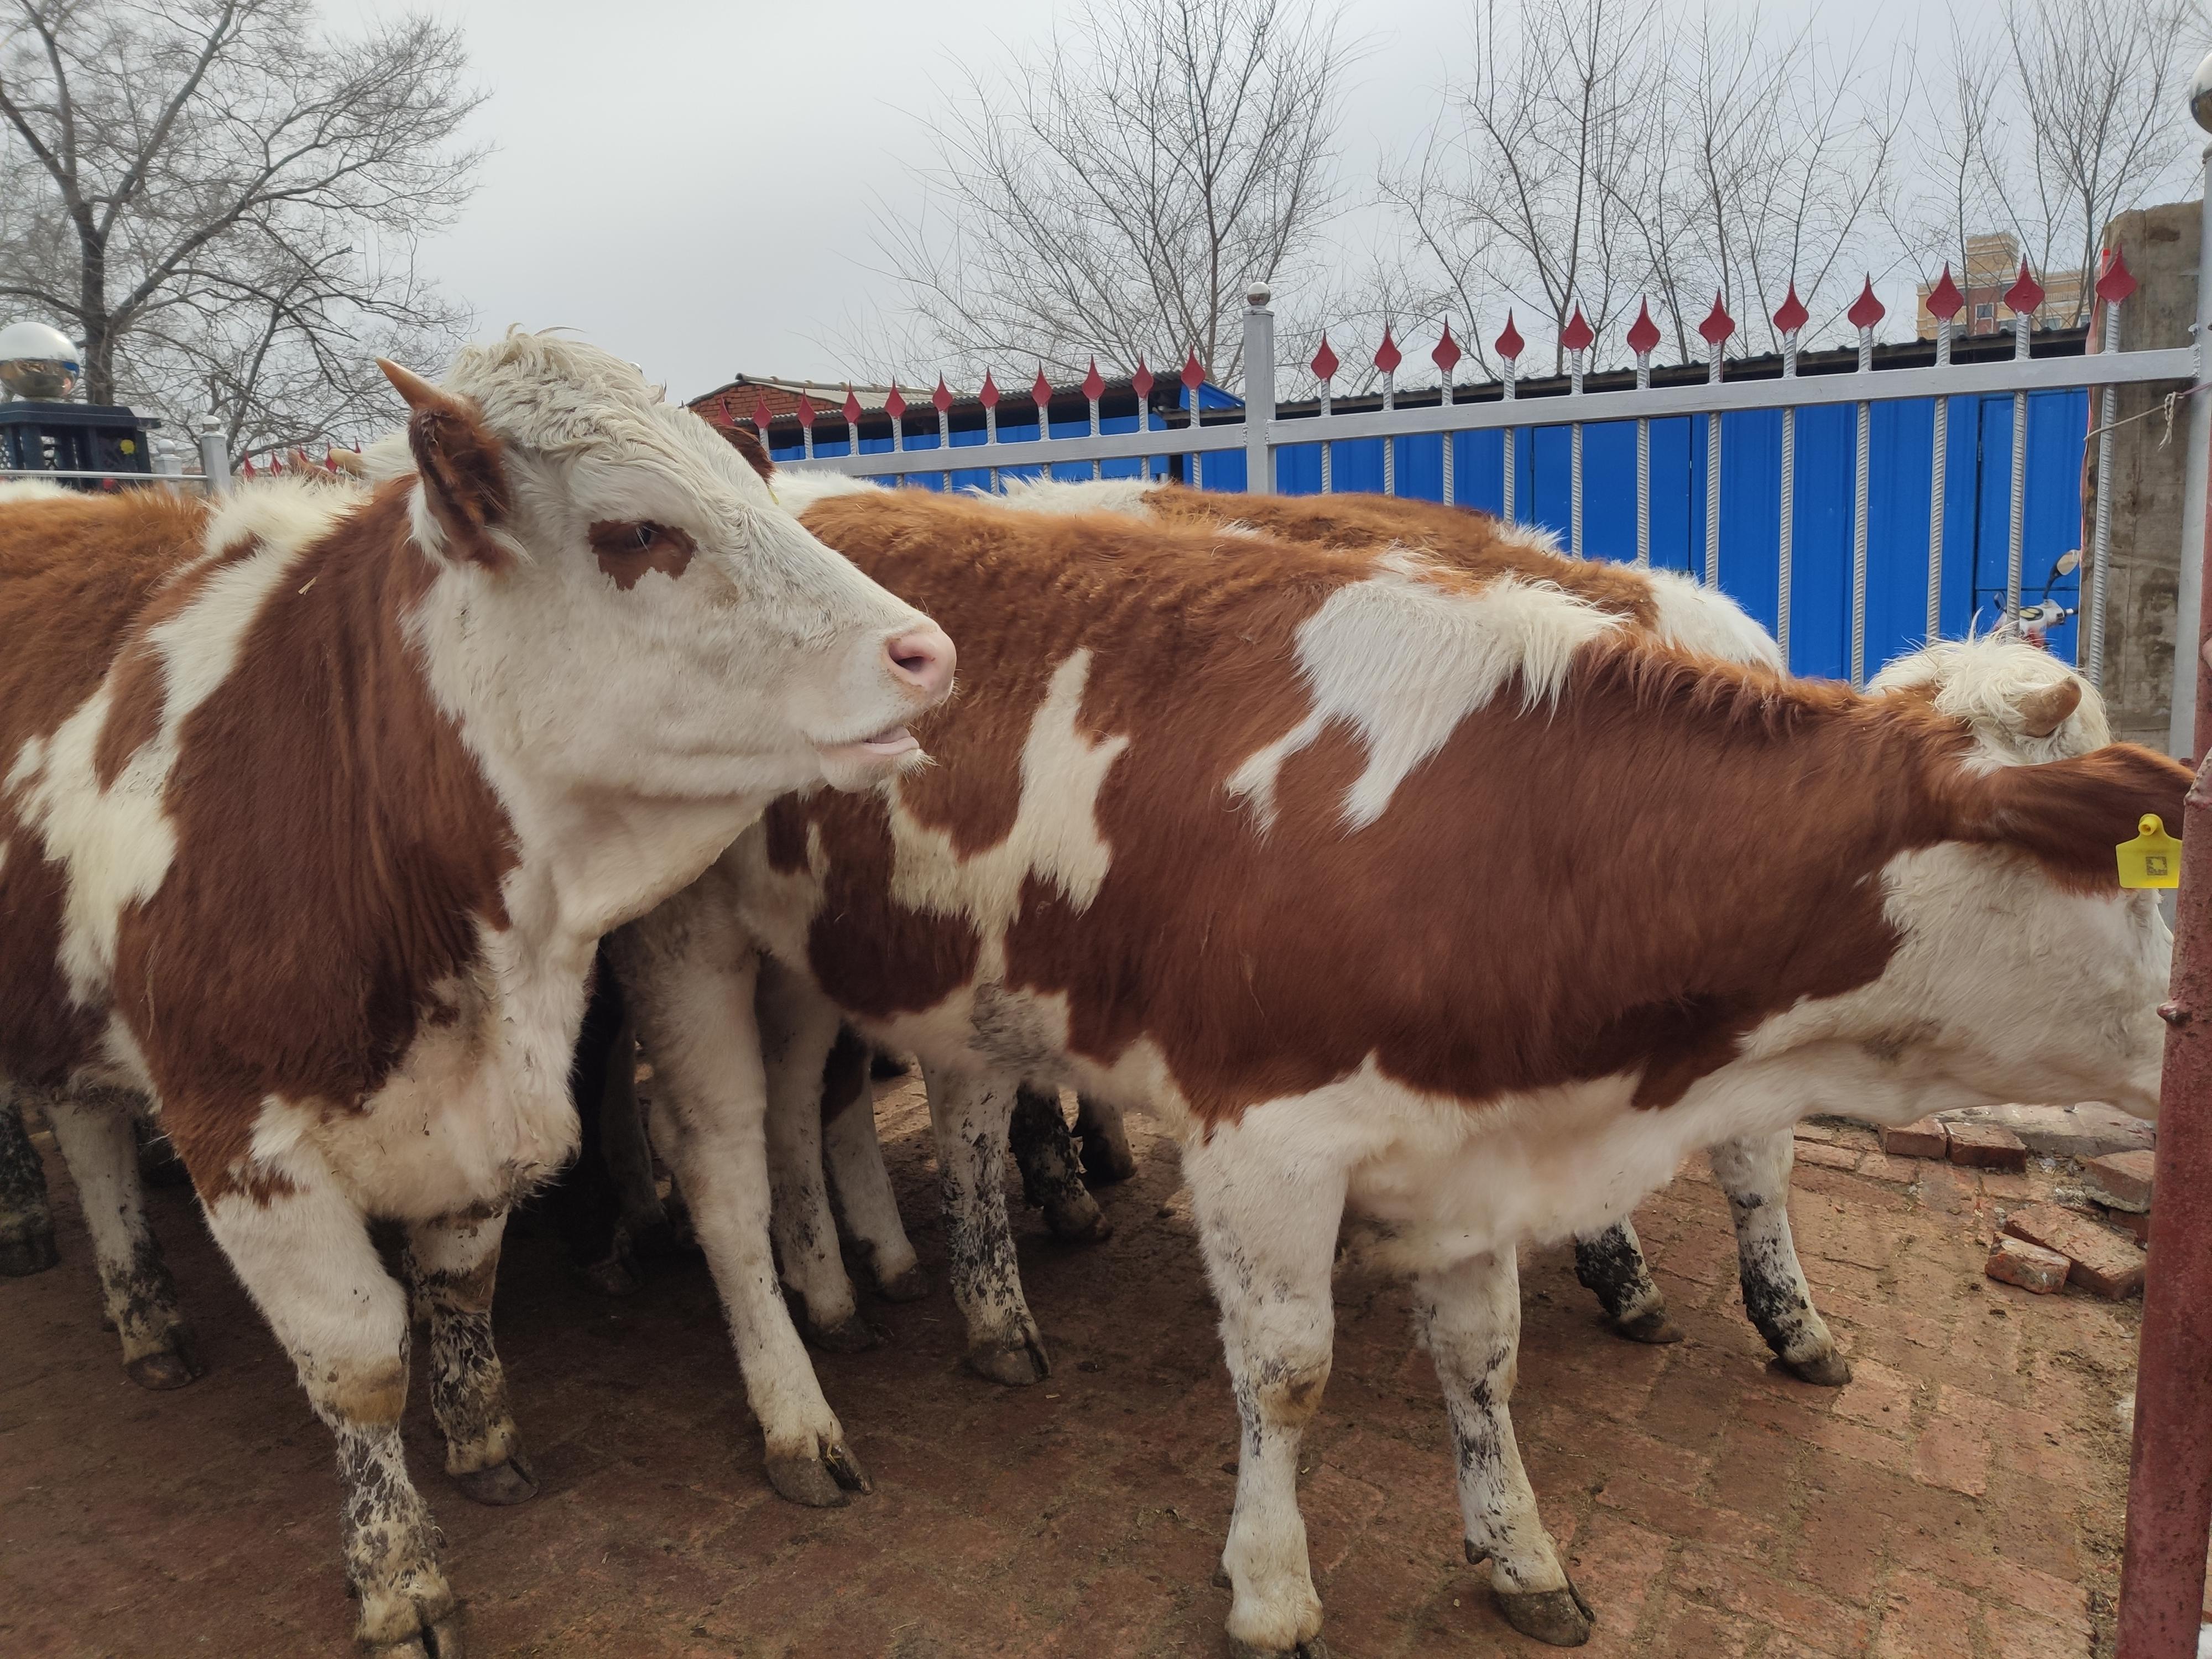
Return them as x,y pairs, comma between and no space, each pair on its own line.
691,976
969,1112
1611,1264
303,1252
94,1129
451,1266
642,1218
860,1185
1754,1173
1106,1156
1052,1174
584,1202
1470,1316
27,1219
1268,1228
798,1034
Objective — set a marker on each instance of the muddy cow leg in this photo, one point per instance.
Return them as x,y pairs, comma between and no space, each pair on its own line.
303,1251
969,1112
26,1220
689,973
1754,1173
93,1127
1267,1227
1106,1156
451,1266
1611,1264
1470,1313
798,1034
1052,1175
860,1185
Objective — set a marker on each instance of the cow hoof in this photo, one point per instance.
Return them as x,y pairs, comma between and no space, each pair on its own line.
502,1486
852,1335
1560,1617
613,1277
1106,1166
441,1640
1079,1223
22,1257
824,1481
1312,1647
1016,1365
171,1367
911,1286
1827,1370
1653,1327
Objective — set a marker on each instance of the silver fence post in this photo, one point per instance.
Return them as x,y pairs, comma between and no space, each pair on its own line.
1866,311
988,396
1642,337
942,398
2023,297
215,455
1387,358
1791,319
2114,283
1259,391
1577,340
1715,329
1324,367
1945,303
1446,357
1510,345
2189,599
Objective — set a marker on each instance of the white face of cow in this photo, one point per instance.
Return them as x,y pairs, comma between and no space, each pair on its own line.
2007,985
630,612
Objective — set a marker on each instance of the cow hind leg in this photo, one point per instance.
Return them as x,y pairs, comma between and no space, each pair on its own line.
27,1219
1754,1173
971,1114
451,1266
1106,1156
1267,1229
1611,1266
95,1130
1469,1315
859,1184
1052,1174
303,1252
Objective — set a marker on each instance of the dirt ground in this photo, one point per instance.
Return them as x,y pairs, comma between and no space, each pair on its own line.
1962,1497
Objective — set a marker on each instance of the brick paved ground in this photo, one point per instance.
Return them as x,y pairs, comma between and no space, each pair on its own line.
1961,1497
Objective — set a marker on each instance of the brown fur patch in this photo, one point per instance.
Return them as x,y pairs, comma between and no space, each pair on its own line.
1627,882
464,476
748,444
628,548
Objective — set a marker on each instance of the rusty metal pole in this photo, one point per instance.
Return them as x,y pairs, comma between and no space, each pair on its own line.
2170,1471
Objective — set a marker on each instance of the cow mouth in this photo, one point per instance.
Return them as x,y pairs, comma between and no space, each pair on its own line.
891,743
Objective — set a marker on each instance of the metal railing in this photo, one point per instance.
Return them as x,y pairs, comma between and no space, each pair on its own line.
213,477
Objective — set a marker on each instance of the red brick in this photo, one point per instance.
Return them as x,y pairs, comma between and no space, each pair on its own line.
1925,1620
2016,1262
2103,1262
1987,1146
1929,1138
2121,1179
2020,1636
2136,1225
1828,1158
1953,1454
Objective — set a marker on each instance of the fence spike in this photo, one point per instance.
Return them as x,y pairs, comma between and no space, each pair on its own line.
1142,380
1447,355
852,409
1041,390
894,405
1866,311
1325,364
942,398
1578,335
1791,315
1509,343
1718,324
1643,333
1387,356
1194,372
1944,300
2116,282
2024,296
1094,383
988,396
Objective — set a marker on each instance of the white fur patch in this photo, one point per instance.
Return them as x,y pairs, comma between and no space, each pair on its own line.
1984,682
797,491
1125,496
28,489
1695,617
1055,834
1404,659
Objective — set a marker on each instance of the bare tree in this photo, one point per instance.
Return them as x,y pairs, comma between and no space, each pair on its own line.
219,198
1118,191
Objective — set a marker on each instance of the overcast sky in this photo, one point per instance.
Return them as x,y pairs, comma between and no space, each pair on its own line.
695,185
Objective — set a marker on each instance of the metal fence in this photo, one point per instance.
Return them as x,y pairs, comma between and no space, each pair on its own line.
1919,441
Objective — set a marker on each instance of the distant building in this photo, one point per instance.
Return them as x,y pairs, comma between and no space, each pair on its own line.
1992,267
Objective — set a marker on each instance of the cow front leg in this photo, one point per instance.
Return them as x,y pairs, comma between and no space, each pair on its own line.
1611,1266
859,1184
96,1132
691,992
969,1112
27,1218
1754,1173
1052,1173
1469,1315
798,1031
451,1266
1268,1228
303,1252
1106,1155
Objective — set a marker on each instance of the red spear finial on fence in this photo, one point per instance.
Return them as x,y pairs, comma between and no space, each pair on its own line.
942,398
1718,324
2116,282
1791,315
761,416
1387,356
2024,296
1447,355
852,407
1094,383
806,411
1194,373
1509,343
1643,333
988,396
1324,361
1866,311
1142,380
1578,334
894,405
1944,300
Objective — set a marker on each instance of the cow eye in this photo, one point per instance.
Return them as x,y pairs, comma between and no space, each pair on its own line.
641,537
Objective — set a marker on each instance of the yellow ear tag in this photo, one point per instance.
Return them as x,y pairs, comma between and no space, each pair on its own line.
2153,858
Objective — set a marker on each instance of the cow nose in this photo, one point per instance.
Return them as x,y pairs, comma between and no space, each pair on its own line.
922,657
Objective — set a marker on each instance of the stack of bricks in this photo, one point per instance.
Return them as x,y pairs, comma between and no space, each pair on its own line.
2045,1247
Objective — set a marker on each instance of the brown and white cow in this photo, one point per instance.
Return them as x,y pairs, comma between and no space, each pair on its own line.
1451,910
314,802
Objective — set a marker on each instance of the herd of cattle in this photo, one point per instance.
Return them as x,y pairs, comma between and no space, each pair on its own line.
1438,892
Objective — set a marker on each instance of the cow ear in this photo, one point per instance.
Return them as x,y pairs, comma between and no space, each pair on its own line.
749,446
2043,712
463,475
2070,814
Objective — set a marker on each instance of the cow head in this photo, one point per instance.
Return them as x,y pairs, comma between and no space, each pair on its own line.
625,608
2025,971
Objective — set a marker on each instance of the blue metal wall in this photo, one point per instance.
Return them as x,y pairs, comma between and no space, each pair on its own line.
1976,510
